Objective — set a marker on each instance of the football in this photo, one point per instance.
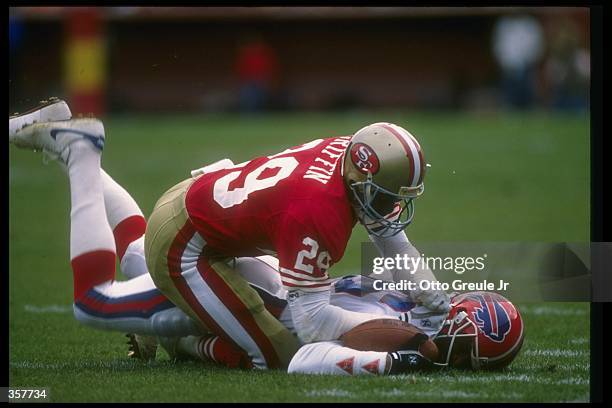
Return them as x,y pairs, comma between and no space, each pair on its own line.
389,335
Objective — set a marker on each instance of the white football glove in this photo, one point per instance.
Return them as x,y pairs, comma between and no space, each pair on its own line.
435,300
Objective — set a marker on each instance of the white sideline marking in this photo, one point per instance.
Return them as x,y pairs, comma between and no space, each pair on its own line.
525,378
573,367
333,392
48,309
452,394
580,340
553,311
556,353
411,378
395,392
37,365
574,381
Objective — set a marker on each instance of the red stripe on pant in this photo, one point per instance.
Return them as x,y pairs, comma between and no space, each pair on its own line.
174,267
239,310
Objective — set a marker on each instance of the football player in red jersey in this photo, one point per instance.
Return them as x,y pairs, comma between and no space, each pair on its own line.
301,204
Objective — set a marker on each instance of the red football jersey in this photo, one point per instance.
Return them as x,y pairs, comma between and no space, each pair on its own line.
293,204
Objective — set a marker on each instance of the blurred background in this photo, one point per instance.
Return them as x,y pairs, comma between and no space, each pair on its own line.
498,98
254,59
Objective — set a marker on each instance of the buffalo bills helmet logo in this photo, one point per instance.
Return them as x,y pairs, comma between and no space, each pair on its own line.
491,317
364,158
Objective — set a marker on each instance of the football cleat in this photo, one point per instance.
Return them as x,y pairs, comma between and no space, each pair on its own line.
49,110
384,167
55,138
482,331
142,347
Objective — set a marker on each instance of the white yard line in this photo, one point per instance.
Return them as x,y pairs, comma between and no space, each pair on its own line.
333,392
48,309
37,365
552,311
523,378
573,367
557,353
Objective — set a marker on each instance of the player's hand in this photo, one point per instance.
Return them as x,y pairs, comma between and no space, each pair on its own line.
435,300
405,361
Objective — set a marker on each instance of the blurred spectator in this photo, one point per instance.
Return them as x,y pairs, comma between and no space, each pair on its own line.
518,45
16,32
568,68
257,70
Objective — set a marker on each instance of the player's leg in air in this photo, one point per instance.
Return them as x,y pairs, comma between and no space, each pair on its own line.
105,222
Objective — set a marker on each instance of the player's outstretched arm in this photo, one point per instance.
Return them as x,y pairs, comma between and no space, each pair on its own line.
436,300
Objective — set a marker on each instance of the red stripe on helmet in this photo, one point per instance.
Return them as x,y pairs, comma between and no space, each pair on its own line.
406,148
423,166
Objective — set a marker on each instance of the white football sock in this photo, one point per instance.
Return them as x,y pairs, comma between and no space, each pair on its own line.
330,357
118,202
92,246
133,263
190,346
89,228
128,225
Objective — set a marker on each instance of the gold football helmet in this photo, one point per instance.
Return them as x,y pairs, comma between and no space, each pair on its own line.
384,167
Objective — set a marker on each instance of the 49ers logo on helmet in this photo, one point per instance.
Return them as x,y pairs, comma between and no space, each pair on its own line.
491,317
364,158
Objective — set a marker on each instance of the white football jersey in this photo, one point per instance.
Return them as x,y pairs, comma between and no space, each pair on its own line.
355,293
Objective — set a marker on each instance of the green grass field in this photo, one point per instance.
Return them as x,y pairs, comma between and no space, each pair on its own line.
493,177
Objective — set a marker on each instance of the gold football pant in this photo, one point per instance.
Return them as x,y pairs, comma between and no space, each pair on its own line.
209,290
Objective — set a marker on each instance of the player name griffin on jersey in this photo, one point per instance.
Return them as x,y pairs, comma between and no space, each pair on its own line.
328,160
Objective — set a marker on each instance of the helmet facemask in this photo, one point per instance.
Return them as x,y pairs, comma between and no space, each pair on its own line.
459,339
382,212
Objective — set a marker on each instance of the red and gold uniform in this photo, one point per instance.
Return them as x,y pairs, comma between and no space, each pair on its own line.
294,204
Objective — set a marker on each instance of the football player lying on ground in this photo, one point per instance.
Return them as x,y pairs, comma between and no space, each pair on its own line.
192,239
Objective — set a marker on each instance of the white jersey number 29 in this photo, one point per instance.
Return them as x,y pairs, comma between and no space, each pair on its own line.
227,198
323,260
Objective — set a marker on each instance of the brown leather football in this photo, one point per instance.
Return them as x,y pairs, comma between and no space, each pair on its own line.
389,335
